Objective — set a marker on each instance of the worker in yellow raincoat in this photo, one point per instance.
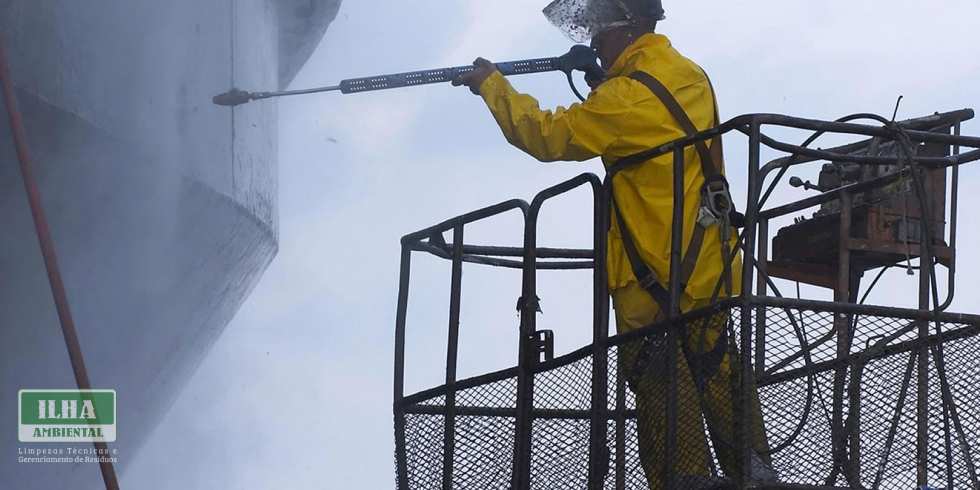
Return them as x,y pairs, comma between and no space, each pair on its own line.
624,114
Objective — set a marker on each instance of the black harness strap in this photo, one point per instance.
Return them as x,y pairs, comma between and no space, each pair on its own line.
644,276
710,159
708,155
708,167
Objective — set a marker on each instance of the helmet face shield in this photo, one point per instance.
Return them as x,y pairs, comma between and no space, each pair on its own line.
580,20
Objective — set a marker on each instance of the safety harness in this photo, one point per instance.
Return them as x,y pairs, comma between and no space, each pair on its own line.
716,203
716,209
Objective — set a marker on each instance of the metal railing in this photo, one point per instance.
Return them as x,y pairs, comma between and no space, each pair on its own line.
499,429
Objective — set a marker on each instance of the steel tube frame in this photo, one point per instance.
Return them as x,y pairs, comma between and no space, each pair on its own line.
401,457
410,242
598,447
452,351
877,351
745,431
620,419
922,379
500,262
757,227
762,289
744,123
870,355
542,252
673,334
528,366
832,195
842,325
927,123
933,162
954,195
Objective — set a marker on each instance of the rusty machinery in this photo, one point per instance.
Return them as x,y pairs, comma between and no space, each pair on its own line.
869,217
882,227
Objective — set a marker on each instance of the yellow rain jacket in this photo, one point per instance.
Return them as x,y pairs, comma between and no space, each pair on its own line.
622,117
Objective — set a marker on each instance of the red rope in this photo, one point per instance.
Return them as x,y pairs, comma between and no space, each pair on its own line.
47,249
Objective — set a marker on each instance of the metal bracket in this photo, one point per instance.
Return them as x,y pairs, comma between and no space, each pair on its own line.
543,345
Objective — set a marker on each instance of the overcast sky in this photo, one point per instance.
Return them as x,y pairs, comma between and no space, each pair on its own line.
297,391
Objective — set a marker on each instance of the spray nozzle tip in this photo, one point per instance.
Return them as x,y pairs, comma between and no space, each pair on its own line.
231,98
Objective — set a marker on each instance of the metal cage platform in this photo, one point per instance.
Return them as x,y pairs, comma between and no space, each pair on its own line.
851,395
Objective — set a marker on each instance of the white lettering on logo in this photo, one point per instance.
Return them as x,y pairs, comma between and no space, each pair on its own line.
88,409
51,412
69,409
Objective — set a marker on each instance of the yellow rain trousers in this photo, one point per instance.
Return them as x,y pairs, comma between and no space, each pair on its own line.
619,118
636,309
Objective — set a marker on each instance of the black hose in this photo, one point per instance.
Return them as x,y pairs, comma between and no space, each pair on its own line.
808,362
905,144
872,285
784,168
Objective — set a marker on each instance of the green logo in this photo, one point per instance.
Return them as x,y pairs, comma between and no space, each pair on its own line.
66,415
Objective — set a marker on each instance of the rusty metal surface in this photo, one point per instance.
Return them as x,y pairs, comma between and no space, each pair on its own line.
884,223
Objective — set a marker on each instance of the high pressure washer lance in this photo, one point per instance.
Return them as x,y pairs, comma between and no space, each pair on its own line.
579,58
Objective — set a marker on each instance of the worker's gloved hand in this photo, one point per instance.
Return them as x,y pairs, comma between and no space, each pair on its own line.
592,81
475,78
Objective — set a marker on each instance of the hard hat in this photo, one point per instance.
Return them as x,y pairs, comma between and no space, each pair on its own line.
580,20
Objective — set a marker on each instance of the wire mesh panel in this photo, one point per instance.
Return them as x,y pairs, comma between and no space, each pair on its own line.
559,454
565,388
483,438
794,413
632,473
498,394
560,432
624,459
684,405
484,452
875,388
822,413
484,444
424,450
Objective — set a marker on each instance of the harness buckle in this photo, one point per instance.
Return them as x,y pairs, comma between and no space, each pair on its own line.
724,231
647,281
716,205
705,218
715,196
